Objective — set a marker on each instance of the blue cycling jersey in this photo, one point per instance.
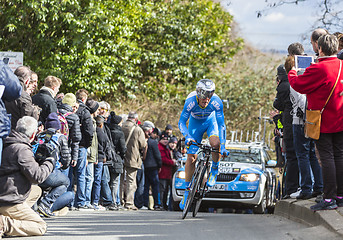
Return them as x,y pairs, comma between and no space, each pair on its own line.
210,119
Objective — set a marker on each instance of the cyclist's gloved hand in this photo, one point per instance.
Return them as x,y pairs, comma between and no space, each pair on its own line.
188,140
224,152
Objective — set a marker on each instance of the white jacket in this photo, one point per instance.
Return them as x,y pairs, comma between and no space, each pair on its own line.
298,101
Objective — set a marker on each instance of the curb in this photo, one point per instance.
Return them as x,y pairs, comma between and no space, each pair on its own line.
300,211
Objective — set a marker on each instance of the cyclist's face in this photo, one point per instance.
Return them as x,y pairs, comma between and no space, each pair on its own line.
204,102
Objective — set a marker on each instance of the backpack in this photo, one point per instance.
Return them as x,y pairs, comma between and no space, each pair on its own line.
47,146
64,123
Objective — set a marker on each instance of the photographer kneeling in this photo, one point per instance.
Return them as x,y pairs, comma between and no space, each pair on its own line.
18,171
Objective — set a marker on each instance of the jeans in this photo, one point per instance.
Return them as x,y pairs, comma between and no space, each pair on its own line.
105,193
89,182
97,182
151,179
165,185
330,149
114,185
139,194
292,168
64,200
80,173
58,182
307,161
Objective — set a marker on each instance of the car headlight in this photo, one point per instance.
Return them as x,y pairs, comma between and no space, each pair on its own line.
181,175
249,177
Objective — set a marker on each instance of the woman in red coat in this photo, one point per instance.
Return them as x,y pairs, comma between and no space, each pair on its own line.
317,82
165,175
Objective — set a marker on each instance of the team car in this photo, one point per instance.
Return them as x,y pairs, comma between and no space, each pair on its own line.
247,179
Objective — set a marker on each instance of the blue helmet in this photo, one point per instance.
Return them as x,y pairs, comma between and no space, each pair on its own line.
205,88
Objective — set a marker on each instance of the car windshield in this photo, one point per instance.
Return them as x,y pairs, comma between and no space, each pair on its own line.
251,155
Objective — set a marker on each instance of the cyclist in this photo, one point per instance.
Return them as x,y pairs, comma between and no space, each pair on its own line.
204,109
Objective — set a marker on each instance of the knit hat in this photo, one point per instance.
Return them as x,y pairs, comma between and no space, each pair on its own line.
164,135
169,127
115,118
69,99
92,105
52,121
173,140
148,125
281,70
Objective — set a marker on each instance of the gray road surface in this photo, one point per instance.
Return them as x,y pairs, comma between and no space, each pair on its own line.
169,225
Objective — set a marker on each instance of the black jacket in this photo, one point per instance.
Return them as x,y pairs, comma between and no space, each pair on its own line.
46,102
153,158
118,139
283,103
74,137
87,130
103,144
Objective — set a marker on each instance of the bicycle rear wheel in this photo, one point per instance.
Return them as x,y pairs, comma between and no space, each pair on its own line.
192,191
200,189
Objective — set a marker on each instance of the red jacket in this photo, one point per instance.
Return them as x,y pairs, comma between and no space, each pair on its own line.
167,162
317,83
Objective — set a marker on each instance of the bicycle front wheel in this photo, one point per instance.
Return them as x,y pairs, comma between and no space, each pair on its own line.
192,191
201,188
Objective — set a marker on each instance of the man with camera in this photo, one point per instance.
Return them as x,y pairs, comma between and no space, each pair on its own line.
18,172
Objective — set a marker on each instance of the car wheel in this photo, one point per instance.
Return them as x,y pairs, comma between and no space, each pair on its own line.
176,206
261,208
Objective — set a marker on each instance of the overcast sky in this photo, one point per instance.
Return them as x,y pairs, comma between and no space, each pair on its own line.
279,28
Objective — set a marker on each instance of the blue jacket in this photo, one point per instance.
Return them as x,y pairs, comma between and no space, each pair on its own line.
12,91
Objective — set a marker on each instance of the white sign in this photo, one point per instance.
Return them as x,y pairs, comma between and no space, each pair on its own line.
13,59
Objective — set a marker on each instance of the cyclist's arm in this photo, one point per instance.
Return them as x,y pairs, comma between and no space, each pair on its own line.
184,118
221,123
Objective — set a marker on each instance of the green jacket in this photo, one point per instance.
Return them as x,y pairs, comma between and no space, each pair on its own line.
92,151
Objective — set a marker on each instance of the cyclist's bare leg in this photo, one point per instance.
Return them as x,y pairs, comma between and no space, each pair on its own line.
215,143
190,167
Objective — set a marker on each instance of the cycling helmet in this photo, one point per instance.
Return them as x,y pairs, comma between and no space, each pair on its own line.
205,88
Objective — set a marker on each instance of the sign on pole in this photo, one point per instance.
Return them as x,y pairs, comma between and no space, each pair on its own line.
13,59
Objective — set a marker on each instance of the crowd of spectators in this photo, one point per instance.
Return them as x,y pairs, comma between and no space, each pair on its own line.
64,152
314,167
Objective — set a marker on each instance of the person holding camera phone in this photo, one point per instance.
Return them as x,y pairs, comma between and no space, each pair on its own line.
18,172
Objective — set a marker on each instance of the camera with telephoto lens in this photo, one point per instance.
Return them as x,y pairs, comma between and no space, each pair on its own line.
45,149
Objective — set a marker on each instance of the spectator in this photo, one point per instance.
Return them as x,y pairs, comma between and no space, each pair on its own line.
118,144
23,105
304,147
340,46
168,131
283,103
31,88
57,182
317,82
92,156
10,89
45,98
105,193
135,139
314,38
68,108
87,132
165,174
103,143
152,165
155,134
18,172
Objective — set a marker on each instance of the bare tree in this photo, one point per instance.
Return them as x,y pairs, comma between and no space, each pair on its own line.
330,15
